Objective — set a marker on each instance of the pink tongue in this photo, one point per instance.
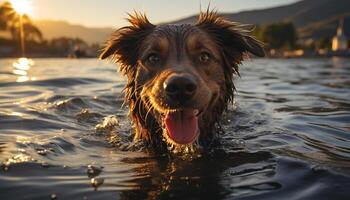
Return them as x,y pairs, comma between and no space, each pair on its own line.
182,126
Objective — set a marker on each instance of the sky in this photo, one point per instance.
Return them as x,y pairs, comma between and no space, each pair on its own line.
112,13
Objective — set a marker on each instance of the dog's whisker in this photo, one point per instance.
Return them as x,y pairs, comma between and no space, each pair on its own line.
136,89
150,108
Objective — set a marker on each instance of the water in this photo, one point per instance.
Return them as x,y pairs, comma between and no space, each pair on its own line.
287,136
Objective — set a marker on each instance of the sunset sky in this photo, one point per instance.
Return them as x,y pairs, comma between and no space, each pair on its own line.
106,13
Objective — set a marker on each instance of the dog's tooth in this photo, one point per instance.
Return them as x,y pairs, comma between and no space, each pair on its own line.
195,112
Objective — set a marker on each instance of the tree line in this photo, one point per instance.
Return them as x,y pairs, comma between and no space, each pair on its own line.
35,42
284,35
278,35
281,35
9,21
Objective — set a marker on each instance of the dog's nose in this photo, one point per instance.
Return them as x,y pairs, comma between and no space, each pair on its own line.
180,87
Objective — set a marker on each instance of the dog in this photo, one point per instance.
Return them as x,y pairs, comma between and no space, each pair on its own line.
179,76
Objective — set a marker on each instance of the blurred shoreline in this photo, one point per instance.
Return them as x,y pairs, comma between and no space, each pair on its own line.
269,55
286,31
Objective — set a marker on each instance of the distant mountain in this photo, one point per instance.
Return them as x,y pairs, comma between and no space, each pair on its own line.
54,29
313,18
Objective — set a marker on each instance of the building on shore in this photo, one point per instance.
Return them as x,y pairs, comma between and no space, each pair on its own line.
340,41
340,47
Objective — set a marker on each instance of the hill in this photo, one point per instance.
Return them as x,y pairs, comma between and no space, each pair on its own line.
54,29
313,18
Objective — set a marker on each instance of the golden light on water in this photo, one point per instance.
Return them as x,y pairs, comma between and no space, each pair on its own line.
22,6
23,63
21,67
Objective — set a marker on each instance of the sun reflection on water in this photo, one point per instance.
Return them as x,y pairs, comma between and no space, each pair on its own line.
23,63
21,67
19,158
23,139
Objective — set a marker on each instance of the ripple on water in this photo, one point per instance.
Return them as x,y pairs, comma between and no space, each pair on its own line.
66,135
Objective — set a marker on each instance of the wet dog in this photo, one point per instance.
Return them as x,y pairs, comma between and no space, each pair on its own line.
180,76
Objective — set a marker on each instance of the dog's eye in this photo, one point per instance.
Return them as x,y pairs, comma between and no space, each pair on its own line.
153,58
204,57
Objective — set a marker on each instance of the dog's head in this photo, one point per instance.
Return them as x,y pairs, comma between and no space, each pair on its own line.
179,76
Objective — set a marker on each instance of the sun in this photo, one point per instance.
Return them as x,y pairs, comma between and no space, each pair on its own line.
22,6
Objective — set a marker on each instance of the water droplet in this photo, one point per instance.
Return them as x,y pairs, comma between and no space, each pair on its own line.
22,150
53,196
170,147
239,143
93,171
319,169
6,165
45,164
42,152
97,182
107,125
187,149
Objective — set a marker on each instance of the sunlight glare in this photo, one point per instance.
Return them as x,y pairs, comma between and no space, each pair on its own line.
23,63
22,6
21,67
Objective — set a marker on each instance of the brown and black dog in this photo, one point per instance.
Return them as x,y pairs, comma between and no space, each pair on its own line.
180,76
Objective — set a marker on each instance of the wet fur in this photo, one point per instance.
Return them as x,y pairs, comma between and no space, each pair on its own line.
127,45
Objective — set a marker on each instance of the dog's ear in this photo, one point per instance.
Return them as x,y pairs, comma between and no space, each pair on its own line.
124,44
232,36
234,41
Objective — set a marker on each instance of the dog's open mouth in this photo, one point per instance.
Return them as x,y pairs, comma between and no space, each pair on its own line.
182,126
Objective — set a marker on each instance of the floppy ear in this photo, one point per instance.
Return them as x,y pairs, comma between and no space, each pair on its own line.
232,36
124,44
234,41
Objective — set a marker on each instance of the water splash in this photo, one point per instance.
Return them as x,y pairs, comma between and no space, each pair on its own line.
96,182
93,171
19,158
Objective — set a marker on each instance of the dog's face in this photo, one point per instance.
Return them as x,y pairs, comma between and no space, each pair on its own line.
179,75
183,74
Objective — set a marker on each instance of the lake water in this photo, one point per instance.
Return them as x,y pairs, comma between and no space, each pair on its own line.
287,136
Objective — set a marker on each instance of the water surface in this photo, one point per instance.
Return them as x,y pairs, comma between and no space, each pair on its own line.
287,136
